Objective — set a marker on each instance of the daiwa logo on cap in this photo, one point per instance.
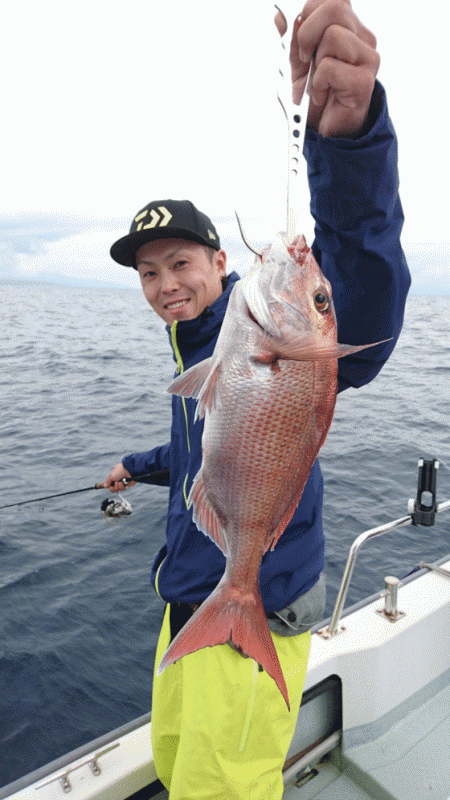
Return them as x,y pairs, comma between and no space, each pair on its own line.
157,220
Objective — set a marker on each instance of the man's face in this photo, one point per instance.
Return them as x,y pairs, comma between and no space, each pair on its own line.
178,278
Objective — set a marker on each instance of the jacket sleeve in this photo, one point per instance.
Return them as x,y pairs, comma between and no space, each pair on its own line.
152,461
358,216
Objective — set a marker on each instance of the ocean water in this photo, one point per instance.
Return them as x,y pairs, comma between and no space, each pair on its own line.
83,379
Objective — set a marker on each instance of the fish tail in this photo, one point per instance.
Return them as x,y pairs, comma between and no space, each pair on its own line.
229,615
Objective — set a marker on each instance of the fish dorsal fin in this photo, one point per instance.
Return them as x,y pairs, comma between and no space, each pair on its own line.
200,382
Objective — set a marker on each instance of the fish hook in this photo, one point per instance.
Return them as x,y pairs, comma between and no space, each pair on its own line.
245,240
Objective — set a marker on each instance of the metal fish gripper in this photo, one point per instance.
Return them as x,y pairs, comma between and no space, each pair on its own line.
297,194
296,117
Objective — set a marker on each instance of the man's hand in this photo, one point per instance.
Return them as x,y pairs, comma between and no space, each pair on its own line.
345,66
114,480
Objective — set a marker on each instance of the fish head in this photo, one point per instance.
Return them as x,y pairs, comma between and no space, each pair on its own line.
290,298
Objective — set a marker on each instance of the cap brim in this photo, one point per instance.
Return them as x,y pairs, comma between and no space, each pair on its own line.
124,250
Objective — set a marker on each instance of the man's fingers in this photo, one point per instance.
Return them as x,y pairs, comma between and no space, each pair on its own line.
316,18
346,63
340,96
114,481
280,22
120,486
350,85
346,46
298,69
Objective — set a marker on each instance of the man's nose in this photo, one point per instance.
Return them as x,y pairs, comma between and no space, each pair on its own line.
169,281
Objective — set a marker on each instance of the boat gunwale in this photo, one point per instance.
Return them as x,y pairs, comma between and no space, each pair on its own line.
58,764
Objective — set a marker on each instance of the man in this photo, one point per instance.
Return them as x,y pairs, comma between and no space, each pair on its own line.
220,728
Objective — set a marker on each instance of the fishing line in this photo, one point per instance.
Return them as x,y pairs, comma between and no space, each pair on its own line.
157,474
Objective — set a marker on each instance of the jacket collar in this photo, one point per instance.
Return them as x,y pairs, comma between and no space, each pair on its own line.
192,334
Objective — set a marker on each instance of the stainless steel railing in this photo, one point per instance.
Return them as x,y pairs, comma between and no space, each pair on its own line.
333,627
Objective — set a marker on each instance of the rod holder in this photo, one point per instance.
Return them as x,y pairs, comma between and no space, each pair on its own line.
423,508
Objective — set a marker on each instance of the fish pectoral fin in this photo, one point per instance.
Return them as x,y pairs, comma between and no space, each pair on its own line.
348,349
191,382
200,382
204,515
207,399
310,348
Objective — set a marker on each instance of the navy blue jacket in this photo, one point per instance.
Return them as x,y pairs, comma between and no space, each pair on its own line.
355,203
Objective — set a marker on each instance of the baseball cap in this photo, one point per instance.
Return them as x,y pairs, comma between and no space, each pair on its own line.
164,219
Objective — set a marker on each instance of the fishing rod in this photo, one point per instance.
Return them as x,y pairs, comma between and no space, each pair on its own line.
157,474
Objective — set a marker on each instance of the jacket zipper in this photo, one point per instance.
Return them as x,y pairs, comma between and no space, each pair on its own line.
180,370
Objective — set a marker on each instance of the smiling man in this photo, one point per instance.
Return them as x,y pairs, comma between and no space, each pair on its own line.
176,250
220,727
180,278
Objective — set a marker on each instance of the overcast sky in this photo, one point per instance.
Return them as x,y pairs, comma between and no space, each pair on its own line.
109,105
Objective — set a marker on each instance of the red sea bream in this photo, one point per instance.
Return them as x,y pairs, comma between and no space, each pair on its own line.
267,395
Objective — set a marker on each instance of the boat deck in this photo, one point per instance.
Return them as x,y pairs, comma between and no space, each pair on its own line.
326,783
410,760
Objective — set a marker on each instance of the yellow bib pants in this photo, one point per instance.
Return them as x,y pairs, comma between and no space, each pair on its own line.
220,727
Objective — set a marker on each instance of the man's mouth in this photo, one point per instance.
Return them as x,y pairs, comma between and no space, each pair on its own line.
176,304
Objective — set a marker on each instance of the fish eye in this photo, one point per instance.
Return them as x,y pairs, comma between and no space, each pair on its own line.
322,300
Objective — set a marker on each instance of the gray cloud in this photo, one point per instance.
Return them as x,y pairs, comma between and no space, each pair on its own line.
28,233
55,225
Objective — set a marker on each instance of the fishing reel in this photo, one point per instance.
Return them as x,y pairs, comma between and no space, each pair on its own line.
112,508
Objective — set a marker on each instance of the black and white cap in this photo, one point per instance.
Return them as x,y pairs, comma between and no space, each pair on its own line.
164,219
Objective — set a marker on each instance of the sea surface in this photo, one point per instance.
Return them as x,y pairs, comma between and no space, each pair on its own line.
84,373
